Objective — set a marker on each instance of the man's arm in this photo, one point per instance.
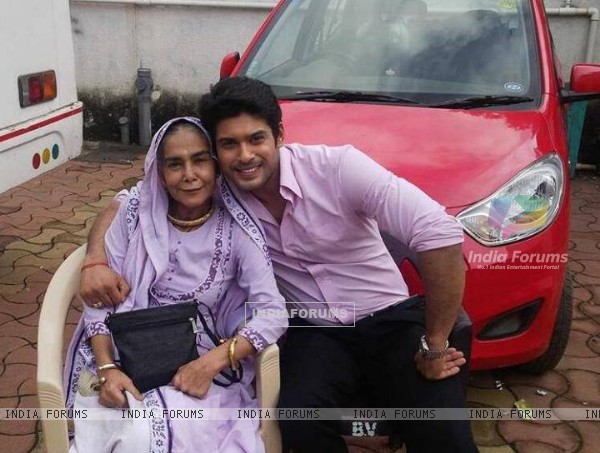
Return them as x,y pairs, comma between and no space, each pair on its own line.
443,274
416,220
99,284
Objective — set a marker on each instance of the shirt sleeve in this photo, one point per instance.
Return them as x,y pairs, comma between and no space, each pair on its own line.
116,242
399,207
256,279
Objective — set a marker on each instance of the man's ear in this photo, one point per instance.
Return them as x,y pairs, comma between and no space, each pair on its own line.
281,135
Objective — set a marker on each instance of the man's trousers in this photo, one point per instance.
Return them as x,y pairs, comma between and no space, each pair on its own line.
369,365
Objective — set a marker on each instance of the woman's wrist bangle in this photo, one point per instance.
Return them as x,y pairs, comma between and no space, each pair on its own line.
95,263
232,362
108,366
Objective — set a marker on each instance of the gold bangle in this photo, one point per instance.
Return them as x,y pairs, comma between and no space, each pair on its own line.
108,366
232,362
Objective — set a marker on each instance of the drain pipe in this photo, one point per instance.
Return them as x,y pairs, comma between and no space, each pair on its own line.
593,14
124,125
144,85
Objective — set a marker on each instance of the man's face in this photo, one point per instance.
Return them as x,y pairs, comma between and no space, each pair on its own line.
248,152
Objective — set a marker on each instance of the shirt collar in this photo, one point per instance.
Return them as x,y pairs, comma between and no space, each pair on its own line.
287,178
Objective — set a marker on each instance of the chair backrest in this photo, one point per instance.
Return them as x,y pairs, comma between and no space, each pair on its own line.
63,288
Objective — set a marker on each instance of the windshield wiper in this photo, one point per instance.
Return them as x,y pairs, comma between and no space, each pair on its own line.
347,96
481,101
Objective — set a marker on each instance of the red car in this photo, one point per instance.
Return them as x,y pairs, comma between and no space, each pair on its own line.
467,103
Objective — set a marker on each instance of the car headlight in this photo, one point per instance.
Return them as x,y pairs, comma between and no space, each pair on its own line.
521,208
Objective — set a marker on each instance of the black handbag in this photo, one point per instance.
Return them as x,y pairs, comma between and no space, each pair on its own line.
154,342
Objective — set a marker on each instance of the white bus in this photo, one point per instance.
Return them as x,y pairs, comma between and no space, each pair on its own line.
40,117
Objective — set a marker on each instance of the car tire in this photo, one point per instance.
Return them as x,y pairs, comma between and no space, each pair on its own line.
560,335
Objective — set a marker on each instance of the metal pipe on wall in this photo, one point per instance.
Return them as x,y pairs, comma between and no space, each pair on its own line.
209,3
594,15
144,85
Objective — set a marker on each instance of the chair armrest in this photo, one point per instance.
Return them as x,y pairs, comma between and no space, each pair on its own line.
267,377
267,393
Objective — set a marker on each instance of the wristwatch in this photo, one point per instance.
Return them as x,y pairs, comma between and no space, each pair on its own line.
431,354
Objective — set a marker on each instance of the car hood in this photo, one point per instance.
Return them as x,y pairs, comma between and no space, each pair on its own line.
458,157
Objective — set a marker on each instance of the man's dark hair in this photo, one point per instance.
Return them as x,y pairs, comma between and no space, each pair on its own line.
238,95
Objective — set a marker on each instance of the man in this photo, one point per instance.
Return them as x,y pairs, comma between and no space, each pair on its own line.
321,209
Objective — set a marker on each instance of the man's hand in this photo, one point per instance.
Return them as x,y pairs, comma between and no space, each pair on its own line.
195,378
112,392
438,369
102,285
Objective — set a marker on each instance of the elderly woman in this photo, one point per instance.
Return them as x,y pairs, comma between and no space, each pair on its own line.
175,241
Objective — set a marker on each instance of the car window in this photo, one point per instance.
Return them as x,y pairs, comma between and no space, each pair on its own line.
432,50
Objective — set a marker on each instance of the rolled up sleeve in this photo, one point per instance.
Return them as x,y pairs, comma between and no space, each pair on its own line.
399,207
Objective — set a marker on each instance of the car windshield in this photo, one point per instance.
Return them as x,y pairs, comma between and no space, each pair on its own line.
423,52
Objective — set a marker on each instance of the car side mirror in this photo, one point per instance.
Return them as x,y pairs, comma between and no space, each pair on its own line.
585,83
228,64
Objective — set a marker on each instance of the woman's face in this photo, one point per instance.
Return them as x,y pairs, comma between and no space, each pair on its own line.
188,173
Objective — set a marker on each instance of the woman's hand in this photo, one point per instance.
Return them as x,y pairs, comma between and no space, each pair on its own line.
112,391
195,378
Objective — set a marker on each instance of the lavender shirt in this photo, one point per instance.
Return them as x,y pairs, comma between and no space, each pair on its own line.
328,247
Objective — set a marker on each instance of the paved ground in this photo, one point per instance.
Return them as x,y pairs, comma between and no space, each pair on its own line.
44,220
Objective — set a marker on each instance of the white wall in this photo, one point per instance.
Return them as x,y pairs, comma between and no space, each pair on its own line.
182,45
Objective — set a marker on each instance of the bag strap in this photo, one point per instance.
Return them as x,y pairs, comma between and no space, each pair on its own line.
237,374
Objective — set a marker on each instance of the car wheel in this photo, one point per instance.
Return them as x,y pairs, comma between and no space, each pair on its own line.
560,335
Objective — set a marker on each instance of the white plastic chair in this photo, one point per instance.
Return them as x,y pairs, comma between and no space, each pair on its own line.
63,288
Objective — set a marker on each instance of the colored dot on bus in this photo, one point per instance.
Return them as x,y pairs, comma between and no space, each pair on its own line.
36,161
55,151
46,156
